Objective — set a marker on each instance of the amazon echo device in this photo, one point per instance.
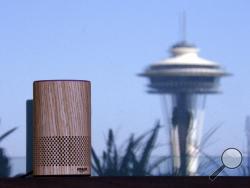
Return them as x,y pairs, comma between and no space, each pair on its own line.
61,127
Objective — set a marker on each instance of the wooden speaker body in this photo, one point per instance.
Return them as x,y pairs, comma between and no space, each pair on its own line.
62,127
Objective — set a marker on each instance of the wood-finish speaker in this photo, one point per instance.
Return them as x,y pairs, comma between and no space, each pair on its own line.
61,127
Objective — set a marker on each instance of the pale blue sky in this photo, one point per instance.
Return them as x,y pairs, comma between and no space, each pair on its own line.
109,42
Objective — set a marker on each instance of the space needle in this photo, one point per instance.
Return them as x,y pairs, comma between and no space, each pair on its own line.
184,80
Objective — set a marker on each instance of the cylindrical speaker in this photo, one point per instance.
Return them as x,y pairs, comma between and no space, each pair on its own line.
62,127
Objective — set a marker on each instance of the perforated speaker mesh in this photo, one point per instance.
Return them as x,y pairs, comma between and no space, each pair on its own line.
62,151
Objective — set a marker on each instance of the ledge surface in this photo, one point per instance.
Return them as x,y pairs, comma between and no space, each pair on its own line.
122,182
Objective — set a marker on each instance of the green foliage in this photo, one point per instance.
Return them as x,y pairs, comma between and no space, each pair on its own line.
4,161
134,161
209,161
7,133
4,164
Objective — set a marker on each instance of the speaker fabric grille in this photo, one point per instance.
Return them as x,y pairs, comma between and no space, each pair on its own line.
62,151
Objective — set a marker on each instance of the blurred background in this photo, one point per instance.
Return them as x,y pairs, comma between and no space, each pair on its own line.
109,43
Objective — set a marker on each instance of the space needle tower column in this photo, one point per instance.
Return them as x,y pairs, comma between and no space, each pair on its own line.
185,79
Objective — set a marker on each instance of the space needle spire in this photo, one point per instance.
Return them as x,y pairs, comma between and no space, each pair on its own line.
185,79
